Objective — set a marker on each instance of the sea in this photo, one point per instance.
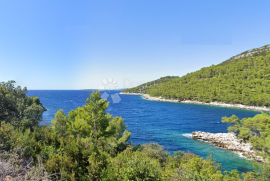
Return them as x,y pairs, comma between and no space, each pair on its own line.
165,123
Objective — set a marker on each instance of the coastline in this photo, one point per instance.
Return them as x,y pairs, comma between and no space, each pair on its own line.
231,142
219,104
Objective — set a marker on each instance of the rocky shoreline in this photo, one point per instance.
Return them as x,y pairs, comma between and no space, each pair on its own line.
43,108
229,141
238,106
148,97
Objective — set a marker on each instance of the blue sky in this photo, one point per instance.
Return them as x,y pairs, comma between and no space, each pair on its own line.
49,44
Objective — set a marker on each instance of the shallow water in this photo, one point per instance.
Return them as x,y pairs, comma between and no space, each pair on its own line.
168,124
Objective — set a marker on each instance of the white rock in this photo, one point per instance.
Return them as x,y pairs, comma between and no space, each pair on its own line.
230,142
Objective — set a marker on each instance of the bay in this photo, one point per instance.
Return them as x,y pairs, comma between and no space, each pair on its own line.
168,124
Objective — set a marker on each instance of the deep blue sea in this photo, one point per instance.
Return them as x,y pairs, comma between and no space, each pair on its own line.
167,124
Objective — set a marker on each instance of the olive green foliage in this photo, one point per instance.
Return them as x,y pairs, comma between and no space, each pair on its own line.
149,164
133,165
255,130
90,144
78,145
243,79
146,86
17,108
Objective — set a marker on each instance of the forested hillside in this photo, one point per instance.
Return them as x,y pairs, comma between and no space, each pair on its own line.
144,87
243,79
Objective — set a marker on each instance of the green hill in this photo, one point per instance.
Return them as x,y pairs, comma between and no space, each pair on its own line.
144,87
242,79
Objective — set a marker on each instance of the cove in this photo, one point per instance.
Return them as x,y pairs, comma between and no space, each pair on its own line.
165,123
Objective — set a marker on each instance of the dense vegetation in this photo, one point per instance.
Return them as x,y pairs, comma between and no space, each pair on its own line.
243,79
17,108
255,130
144,87
90,144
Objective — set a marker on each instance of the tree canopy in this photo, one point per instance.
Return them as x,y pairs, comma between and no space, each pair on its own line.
17,108
255,130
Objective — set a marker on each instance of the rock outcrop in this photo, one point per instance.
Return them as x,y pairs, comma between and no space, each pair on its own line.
44,108
229,141
253,52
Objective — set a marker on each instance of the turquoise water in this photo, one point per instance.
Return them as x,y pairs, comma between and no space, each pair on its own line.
168,124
